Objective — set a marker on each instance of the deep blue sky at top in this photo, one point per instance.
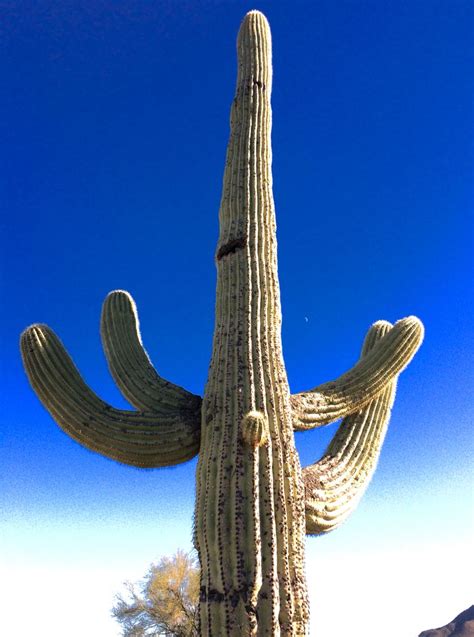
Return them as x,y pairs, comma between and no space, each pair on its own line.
114,123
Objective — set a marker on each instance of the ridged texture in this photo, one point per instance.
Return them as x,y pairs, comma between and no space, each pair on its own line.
357,387
129,363
253,502
254,429
335,484
249,523
138,438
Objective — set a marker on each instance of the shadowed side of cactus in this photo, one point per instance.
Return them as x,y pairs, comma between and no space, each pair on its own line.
254,503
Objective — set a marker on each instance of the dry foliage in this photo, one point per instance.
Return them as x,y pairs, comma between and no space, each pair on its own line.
166,600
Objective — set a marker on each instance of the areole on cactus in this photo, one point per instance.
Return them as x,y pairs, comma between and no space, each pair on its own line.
254,503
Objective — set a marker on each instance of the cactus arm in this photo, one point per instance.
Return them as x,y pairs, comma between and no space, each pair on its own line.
335,484
130,365
141,439
356,388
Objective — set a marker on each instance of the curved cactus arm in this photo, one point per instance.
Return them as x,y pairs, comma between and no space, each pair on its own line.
361,384
141,439
335,484
129,363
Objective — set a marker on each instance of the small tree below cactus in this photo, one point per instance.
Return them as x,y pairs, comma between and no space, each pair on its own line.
165,602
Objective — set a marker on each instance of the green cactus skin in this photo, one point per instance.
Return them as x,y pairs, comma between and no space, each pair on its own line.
335,484
254,504
138,438
361,384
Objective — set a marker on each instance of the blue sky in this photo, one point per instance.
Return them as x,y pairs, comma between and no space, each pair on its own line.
115,122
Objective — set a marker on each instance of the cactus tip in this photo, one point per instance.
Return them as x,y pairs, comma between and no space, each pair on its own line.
255,18
382,324
414,325
34,338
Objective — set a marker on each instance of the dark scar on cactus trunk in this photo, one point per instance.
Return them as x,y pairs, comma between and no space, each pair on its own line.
231,246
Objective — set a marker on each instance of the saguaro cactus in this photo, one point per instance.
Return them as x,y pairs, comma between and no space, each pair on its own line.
254,504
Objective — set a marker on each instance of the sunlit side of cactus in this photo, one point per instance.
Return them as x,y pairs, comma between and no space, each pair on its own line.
254,504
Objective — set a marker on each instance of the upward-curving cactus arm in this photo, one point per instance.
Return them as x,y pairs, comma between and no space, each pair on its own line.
361,384
335,484
129,364
138,438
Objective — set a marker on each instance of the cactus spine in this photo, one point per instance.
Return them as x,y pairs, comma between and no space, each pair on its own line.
254,504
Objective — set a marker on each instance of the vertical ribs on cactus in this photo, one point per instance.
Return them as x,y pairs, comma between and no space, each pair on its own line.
254,503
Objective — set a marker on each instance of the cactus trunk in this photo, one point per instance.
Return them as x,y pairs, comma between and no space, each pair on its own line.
250,519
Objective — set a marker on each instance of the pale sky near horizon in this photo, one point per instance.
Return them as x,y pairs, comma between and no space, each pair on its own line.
115,126
357,584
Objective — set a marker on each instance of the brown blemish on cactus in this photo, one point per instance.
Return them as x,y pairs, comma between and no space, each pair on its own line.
230,247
